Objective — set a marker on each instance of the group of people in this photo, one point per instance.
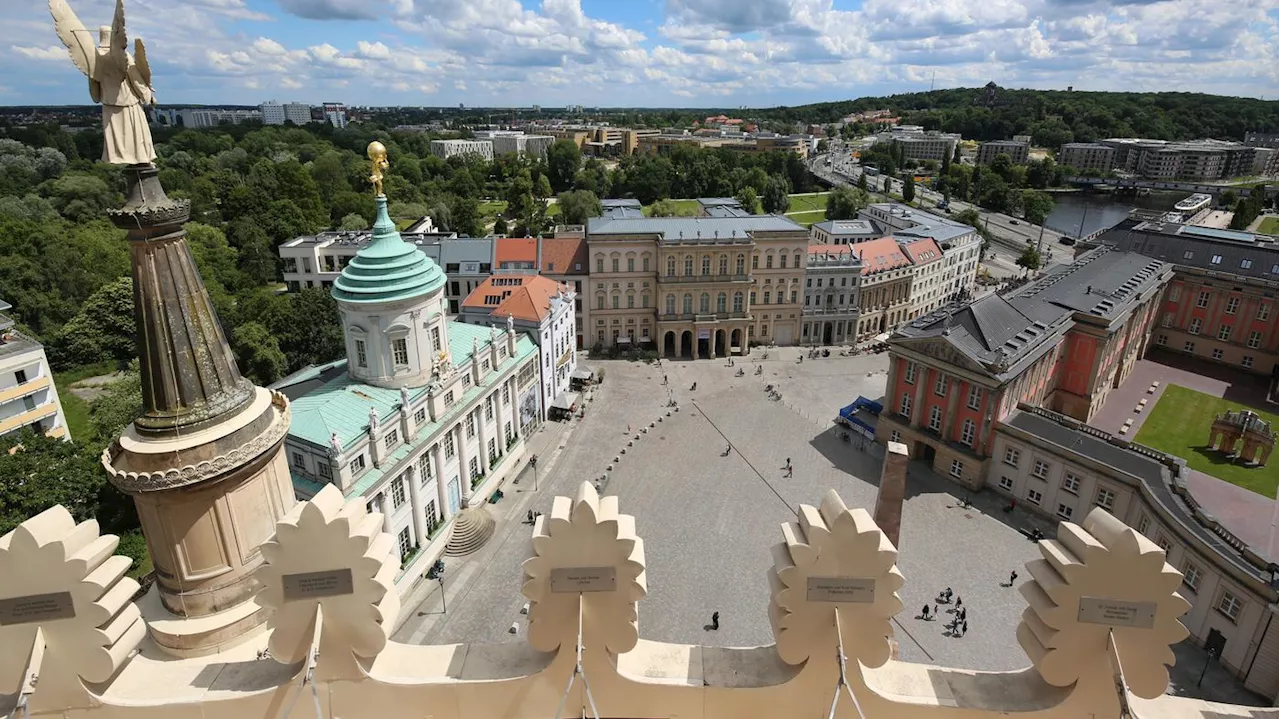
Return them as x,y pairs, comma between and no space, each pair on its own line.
959,624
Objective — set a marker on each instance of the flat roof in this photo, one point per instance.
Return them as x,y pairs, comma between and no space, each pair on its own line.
673,228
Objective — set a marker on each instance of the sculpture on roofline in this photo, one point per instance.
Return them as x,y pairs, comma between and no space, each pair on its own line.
378,162
119,81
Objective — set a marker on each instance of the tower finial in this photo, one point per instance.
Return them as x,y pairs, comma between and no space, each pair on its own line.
378,163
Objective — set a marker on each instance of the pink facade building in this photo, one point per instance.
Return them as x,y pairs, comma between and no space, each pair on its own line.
1062,342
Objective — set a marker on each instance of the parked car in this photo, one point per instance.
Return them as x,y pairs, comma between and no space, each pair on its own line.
1013,222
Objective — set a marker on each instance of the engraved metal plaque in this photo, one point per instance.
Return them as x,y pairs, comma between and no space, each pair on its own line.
317,585
1117,613
36,608
841,590
571,580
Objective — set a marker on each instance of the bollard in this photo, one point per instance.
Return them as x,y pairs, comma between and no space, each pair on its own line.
525,608
515,628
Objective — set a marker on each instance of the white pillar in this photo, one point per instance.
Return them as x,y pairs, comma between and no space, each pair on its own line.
383,506
464,467
415,505
515,410
442,491
482,436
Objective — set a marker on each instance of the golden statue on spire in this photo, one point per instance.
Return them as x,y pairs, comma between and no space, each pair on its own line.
378,163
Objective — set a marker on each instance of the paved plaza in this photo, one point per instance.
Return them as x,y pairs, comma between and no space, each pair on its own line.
709,521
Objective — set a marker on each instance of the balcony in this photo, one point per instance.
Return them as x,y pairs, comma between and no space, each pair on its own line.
28,417
24,389
689,279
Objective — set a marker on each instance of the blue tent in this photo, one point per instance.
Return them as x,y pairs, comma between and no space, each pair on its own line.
849,415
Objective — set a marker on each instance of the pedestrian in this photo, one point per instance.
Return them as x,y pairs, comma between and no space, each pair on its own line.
1013,577
959,601
946,594
788,464
790,471
964,628
664,379
529,517
925,611
964,615
715,621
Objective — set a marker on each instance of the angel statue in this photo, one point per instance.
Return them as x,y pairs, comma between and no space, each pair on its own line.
118,80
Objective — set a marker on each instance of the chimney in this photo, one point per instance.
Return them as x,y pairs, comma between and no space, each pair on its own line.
893,486
538,262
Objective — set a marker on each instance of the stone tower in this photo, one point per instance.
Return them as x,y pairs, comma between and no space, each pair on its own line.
205,461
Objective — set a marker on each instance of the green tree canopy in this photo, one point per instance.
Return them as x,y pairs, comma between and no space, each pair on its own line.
748,199
844,203
776,199
578,205
563,160
102,330
258,353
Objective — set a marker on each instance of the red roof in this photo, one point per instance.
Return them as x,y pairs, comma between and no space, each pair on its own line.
564,256
524,297
512,251
880,255
922,252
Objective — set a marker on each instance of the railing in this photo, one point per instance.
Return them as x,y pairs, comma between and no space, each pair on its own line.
681,279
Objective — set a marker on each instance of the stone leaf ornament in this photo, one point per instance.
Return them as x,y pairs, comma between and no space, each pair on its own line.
1103,559
835,548
586,533
66,580
328,535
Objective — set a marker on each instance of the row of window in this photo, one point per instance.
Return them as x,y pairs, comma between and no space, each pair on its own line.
1224,331
739,264
1233,302
1246,361
399,349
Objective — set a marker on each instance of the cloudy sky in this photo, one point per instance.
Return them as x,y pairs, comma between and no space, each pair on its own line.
677,53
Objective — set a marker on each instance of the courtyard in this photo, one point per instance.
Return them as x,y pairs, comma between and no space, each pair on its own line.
708,521
1180,424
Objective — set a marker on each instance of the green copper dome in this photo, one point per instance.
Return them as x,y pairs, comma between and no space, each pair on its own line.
388,268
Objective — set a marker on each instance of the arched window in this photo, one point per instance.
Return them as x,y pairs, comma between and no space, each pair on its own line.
724,264
671,267
721,300
688,304
737,301
704,303
671,303
742,264
706,264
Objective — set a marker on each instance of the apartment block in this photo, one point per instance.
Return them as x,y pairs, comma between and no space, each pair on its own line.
28,397
1017,151
1087,156
275,113
444,149
198,117
832,279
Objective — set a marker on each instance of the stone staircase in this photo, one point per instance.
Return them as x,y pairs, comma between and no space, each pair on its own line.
471,529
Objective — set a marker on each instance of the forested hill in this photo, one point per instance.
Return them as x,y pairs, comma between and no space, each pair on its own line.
1056,116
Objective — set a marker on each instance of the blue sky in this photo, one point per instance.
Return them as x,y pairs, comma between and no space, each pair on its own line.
659,53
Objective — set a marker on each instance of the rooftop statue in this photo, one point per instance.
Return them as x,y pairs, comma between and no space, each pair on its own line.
118,80
378,163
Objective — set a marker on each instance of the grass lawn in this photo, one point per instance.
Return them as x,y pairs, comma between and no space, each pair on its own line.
1179,425
1269,226
491,208
808,202
75,409
808,218
684,208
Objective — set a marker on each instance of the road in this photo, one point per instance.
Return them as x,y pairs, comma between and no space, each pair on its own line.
1010,234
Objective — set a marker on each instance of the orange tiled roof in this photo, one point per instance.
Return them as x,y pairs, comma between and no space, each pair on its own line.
923,251
561,254
524,297
880,255
515,249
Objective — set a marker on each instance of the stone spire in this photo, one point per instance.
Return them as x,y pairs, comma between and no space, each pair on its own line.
204,462
189,377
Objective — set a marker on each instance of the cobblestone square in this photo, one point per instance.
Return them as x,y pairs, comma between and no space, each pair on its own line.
708,521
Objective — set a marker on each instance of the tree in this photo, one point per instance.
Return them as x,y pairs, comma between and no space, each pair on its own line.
102,330
844,203
776,199
465,213
1036,206
946,164
258,353
578,205
257,252
500,226
862,181
1228,198
955,155
909,189
119,404
664,208
748,199
1002,165
1029,259
353,222
563,160
79,197
888,184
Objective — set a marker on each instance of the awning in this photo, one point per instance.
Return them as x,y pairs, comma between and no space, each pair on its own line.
881,338
565,401
582,374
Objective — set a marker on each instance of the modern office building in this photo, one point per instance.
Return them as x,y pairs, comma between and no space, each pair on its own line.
1017,151
28,397
424,410
275,113
832,278
1221,303
198,117
919,144
543,309
515,141
444,149
694,286
1087,157
318,260
1063,341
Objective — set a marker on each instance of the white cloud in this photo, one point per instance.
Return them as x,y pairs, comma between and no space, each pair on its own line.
52,52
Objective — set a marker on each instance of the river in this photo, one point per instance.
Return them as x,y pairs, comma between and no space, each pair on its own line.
1100,212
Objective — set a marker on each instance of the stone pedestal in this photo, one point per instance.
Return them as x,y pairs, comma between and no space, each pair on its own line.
893,488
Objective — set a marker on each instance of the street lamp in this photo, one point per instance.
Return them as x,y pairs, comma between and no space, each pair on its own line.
436,572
